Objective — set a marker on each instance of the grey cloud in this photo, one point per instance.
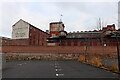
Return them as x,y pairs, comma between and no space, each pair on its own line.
76,15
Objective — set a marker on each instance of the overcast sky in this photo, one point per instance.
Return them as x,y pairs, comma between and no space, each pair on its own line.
77,16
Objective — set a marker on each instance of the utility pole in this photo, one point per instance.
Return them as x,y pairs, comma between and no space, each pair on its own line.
116,36
85,49
102,43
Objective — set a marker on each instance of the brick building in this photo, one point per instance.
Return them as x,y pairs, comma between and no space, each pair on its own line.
23,33
55,27
87,38
4,41
25,36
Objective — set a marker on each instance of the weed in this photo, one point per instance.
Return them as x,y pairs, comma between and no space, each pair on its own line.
115,67
81,59
95,61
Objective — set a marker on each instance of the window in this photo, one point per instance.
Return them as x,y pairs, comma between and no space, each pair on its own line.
33,41
59,29
30,34
81,43
73,36
75,44
112,27
104,40
30,27
53,35
69,43
63,44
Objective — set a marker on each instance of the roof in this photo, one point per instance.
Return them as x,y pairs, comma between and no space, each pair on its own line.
84,35
56,22
39,29
110,25
4,37
29,24
19,21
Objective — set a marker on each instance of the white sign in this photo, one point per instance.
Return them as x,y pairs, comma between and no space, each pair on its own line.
20,30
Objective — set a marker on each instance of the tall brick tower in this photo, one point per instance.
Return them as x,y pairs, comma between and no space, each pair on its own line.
55,27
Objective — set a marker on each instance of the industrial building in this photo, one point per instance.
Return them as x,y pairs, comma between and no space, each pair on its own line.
28,38
91,38
23,33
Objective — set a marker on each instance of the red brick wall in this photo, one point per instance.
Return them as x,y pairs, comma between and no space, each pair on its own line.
37,37
15,42
5,42
57,49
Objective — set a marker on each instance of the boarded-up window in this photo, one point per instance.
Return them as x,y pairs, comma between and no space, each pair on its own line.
75,43
69,43
81,43
33,41
63,44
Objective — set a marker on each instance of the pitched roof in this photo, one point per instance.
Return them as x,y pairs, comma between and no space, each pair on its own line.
4,37
29,24
19,21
